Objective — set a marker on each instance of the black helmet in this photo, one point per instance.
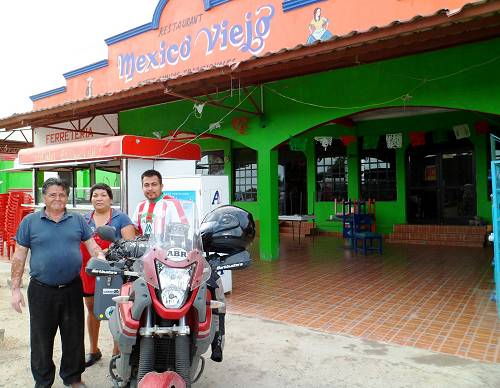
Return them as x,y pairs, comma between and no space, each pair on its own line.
227,229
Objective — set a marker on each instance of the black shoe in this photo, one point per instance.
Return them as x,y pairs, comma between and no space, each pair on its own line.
217,348
216,354
92,358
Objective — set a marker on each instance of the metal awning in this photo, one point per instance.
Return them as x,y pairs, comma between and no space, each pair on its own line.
108,148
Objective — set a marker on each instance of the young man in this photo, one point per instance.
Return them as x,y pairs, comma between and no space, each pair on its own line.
154,207
55,290
148,217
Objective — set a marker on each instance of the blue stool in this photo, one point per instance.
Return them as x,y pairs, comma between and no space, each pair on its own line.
367,238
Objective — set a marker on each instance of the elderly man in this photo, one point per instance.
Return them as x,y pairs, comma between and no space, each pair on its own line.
55,290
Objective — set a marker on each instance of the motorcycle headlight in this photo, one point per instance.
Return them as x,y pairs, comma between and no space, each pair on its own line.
174,285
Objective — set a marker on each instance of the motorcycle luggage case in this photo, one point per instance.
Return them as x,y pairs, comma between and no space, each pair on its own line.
106,288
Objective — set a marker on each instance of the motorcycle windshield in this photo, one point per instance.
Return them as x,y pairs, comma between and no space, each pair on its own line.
174,257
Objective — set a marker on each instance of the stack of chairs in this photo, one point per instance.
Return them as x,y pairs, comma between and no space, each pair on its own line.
15,212
355,219
3,211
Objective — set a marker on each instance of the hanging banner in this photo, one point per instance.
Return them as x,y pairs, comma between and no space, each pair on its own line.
417,138
347,140
461,131
482,127
394,140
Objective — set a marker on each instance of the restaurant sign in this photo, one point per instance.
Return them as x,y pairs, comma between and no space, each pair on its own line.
187,37
248,35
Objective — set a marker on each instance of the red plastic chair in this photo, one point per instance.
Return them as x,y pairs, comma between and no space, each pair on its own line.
14,214
3,211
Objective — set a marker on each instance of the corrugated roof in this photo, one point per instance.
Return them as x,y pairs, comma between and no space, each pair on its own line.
12,147
395,29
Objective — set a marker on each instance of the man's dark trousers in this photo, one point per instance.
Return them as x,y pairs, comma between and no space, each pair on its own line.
52,308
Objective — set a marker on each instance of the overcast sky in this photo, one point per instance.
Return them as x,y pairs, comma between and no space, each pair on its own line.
41,40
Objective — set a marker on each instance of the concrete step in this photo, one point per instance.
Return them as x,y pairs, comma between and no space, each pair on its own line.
439,236
447,235
470,244
407,228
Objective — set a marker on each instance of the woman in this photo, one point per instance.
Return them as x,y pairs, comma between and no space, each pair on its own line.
101,198
318,28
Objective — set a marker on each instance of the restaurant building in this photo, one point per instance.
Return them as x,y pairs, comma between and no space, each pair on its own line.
305,103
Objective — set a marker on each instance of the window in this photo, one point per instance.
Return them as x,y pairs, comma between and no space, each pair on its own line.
245,174
211,163
331,171
288,5
378,173
80,178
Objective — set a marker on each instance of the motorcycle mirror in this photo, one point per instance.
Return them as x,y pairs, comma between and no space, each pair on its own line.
107,233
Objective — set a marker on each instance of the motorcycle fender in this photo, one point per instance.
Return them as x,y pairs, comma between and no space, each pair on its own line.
205,326
142,298
124,340
202,346
200,303
206,332
165,379
125,343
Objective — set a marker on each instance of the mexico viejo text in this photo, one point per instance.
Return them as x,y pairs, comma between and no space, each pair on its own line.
248,37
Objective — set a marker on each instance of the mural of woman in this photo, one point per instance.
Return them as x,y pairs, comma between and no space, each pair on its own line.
318,28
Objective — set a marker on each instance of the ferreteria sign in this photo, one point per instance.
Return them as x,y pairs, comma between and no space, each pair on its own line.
76,130
248,36
187,36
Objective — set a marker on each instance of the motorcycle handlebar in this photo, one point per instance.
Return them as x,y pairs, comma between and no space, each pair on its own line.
135,248
124,249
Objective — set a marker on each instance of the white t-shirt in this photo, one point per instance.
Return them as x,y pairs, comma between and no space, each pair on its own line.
148,215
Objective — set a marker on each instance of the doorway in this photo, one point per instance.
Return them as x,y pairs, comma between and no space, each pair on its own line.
441,183
292,181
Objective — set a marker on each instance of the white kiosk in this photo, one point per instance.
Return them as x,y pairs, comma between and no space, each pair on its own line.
181,182
209,192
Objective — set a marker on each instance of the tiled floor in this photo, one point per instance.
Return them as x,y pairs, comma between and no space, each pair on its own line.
436,298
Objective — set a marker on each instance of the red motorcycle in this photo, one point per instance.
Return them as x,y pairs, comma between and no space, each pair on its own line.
158,294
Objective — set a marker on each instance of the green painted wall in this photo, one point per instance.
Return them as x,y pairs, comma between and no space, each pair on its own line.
464,77
110,178
3,176
13,180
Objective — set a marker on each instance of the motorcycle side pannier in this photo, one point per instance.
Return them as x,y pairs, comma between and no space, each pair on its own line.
227,229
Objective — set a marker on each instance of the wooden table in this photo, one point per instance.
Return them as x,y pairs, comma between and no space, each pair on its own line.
297,218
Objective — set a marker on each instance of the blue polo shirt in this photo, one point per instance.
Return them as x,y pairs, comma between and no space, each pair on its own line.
55,246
